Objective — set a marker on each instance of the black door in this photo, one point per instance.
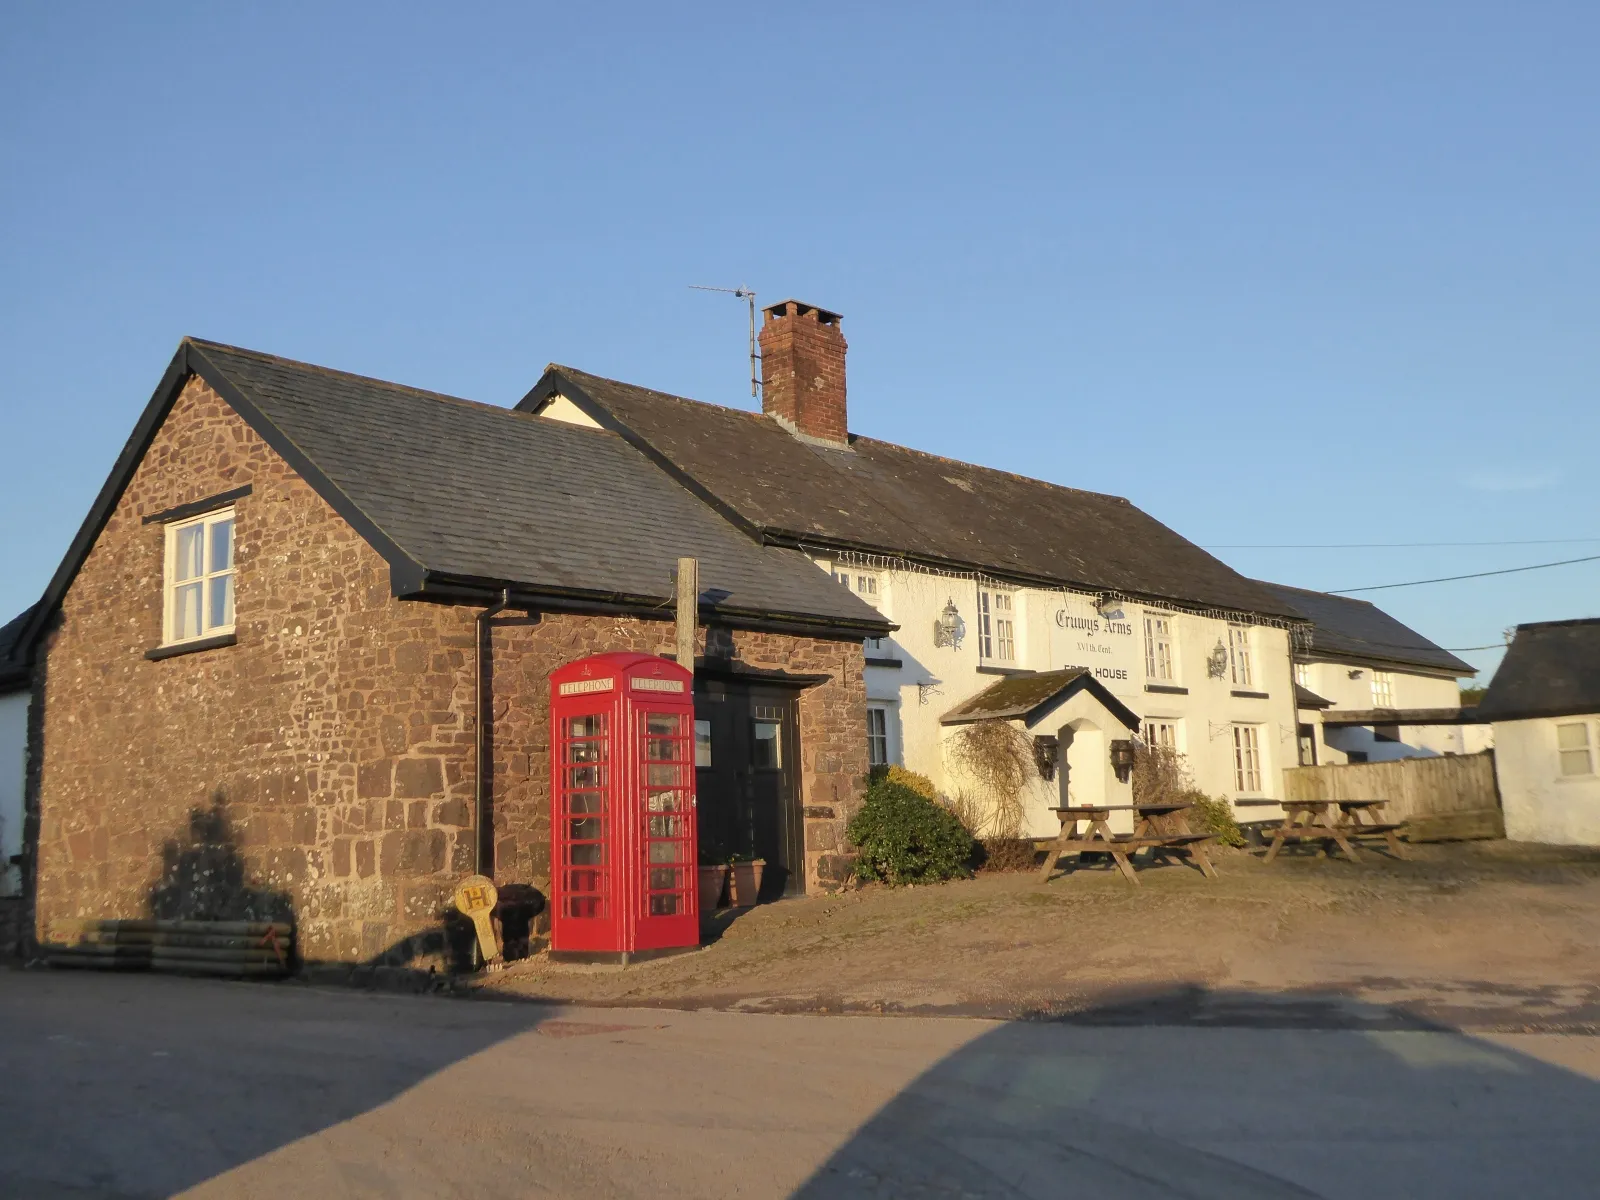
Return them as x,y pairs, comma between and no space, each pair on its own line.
747,760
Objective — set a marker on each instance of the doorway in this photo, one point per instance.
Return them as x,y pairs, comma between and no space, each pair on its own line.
747,760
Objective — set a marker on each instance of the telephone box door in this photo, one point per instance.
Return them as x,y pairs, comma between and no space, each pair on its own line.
588,830
668,902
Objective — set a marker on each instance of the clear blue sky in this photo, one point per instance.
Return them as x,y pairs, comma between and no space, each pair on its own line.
1277,273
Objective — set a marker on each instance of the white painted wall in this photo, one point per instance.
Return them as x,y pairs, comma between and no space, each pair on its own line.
1057,629
1542,805
1333,681
13,772
559,408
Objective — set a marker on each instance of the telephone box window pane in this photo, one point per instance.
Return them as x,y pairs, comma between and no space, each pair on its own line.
585,881
702,743
584,727
585,777
586,906
766,750
667,827
669,852
585,829
586,854
665,879
666,905
584,802
585,752
659,776
663,724
661,749
663,801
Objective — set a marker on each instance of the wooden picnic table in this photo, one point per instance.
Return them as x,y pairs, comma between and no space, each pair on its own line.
1161,828
1311,821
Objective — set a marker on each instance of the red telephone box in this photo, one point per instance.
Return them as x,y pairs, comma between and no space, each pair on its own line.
624,861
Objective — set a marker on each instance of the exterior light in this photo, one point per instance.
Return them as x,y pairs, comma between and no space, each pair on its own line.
1108,606
1046,751
949,629
1122,758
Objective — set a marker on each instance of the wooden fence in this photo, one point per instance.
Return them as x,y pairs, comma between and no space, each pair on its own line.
1441,799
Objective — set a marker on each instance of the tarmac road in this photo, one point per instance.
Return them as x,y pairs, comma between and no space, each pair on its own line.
124,1086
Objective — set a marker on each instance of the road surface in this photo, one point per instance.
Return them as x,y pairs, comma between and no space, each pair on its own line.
135,1086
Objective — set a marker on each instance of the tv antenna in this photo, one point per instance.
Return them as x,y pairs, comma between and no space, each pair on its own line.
742,293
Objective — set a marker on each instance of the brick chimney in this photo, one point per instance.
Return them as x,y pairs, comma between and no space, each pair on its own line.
802,372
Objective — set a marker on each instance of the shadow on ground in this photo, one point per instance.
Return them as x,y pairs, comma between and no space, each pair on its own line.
1232,1095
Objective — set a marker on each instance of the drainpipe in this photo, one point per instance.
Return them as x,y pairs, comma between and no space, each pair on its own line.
482,702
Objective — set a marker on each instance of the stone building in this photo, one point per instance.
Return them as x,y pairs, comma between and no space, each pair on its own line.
296,660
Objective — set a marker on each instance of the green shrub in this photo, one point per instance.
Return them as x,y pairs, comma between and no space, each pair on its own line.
1213,815
918,783
905,837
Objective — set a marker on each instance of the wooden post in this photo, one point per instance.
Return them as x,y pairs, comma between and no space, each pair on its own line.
688,609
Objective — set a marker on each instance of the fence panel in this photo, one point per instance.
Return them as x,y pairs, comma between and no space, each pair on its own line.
1452,796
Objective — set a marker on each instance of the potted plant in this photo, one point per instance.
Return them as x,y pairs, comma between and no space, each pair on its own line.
746,869
713,883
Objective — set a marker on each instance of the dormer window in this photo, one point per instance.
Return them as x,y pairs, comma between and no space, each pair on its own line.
199,578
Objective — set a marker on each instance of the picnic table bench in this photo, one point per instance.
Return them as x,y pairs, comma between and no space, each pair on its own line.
1311,821
1163,829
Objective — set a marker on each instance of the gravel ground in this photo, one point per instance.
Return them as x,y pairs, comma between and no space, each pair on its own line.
1484,935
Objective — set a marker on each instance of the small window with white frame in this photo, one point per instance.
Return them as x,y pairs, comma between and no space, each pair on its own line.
1382,689
1575,748
1246,759
1159,659
1302,675
1243,669
198,601
1162,735
997,630
877,735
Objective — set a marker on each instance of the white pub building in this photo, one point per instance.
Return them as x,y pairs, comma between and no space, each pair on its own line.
1073,614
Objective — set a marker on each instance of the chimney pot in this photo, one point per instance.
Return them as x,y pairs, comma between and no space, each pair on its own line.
802,371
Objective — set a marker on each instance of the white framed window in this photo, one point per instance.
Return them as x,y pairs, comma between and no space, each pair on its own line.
1162,735
1302,675
1158,655
1575,748
198,578
1382,689
1246,759
1244,673
877,735
997,630
876,647
864,582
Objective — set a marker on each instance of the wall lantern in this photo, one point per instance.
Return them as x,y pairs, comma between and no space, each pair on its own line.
1122,758
1046,751
1356,674
949,629
1108,606
1217,661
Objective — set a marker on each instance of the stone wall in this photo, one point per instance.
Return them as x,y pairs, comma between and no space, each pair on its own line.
324,763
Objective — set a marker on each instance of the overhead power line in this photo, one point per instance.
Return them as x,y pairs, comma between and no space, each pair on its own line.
1403,545
1379,587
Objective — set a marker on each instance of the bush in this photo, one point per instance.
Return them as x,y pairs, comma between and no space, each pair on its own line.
1213,815
905,837
918,783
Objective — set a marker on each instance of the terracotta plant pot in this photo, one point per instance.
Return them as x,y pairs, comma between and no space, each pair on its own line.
747,882
712,882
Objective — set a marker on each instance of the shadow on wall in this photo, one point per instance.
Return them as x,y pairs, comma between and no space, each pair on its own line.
1232,1095
204,878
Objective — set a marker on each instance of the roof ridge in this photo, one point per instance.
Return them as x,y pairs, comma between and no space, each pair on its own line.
1289,587
280,360
1569,621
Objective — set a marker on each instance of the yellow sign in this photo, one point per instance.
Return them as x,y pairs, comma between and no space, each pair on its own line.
475,897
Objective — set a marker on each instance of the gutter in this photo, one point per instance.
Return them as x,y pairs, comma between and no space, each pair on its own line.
483,697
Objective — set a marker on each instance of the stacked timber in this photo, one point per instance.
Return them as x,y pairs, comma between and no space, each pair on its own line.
236,949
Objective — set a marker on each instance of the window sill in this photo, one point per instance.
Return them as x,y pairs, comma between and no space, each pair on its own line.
1246,694
992,669
885,662
194,647
1168,689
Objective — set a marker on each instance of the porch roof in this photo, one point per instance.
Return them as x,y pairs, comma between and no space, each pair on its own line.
1026,696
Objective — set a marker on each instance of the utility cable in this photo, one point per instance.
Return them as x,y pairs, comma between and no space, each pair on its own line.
1379,587
1403,545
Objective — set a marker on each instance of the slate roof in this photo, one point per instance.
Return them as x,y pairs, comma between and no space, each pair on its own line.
13,669
460,495
1025,696
1356,630
882,498
1551,669
1304,697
